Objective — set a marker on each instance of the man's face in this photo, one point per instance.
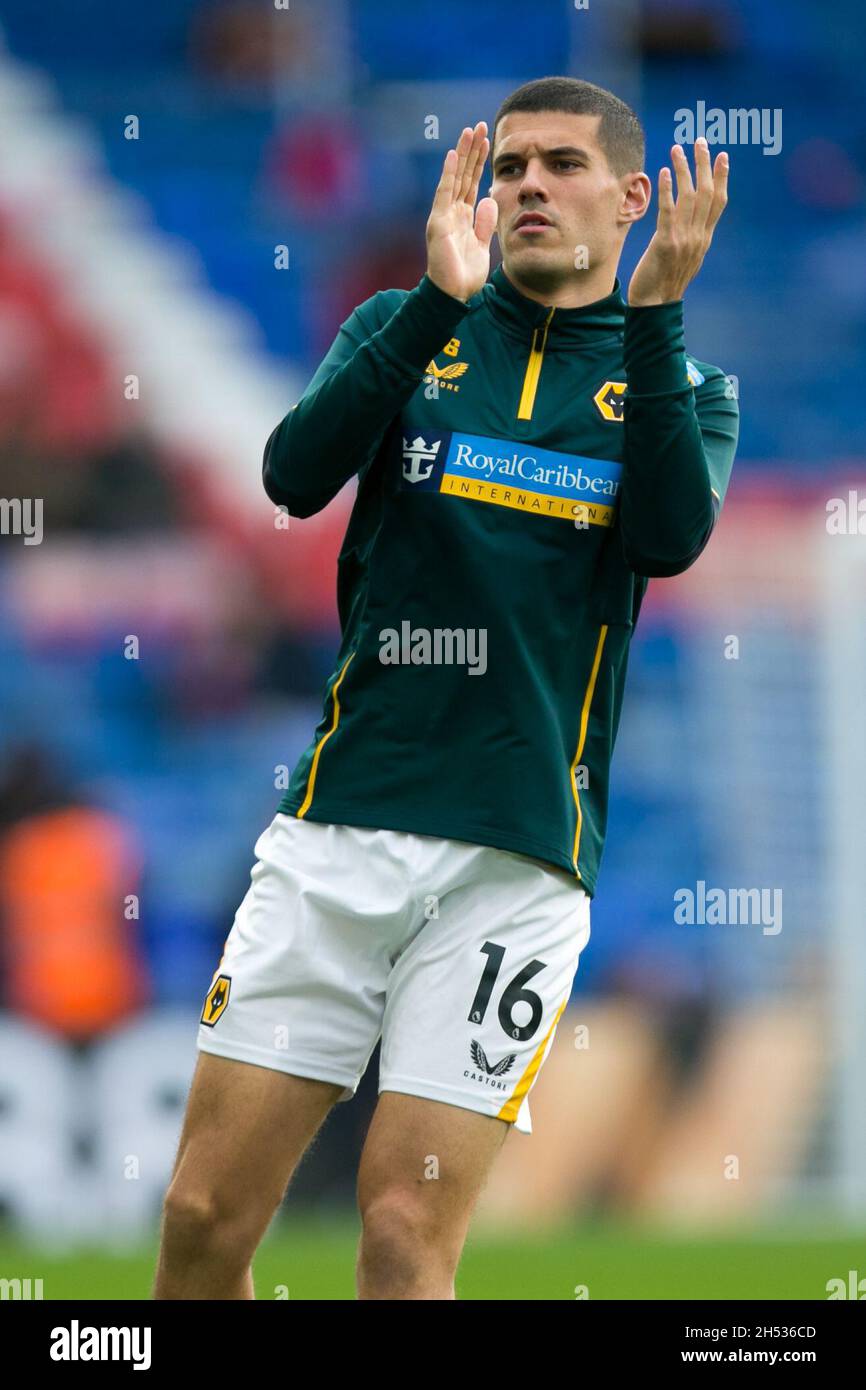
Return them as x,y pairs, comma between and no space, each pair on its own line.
550,163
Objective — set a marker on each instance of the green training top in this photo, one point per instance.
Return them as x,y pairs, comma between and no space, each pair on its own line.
522,472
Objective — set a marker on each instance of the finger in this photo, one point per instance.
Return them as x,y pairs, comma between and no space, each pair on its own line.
472,162
704,179
464,146
483,152
468,169
685,187
444,195
666,202
720,190
481,159
486,219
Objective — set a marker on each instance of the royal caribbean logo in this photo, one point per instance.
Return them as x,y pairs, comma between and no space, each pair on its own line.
418,459
509,474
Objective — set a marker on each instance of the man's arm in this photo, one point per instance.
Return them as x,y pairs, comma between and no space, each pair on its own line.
367,376
680,442
373,369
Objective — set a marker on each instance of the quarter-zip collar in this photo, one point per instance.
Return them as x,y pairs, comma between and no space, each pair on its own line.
520,316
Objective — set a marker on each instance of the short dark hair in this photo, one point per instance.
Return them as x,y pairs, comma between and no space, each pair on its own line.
620,133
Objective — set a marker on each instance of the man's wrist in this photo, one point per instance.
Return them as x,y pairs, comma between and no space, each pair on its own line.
654,303
654,348
422,325
429,277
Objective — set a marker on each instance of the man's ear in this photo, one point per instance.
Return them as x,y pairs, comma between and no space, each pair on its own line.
636,197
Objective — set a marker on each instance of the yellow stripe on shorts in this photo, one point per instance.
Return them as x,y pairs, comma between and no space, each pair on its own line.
511,1106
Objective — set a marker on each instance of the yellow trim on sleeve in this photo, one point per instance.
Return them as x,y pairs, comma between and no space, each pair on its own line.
584,723
512,1105
311,784
533,371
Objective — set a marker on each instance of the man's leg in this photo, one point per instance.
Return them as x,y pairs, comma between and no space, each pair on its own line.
472,1004
423,1166
246,1129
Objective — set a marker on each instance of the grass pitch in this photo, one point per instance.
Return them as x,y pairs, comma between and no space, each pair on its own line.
315,1260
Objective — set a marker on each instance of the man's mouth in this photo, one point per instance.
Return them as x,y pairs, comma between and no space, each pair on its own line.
532,223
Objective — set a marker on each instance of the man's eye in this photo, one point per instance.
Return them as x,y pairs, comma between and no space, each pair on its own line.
505,169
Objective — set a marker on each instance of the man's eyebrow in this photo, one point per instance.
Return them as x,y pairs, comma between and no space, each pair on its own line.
555,151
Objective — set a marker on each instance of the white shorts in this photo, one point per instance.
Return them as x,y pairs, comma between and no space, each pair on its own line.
459,956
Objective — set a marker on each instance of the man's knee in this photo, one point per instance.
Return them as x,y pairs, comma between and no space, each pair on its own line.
198,1223
404,1247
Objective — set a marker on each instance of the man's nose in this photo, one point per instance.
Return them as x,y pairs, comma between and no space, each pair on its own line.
532,183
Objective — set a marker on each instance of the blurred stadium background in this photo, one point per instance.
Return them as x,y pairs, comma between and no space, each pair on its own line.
162,649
